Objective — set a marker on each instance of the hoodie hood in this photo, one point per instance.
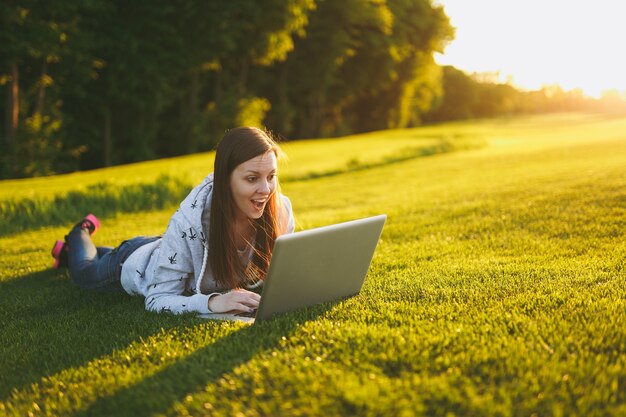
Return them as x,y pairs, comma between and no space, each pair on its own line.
195,210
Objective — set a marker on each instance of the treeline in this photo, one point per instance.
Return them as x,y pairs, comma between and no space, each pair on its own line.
482,95
91,83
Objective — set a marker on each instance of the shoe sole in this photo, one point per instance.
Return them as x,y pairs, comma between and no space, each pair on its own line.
93,220
56,252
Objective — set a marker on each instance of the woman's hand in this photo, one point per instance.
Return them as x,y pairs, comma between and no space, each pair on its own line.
240,299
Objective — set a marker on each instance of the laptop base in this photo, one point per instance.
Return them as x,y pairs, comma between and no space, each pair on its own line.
227,317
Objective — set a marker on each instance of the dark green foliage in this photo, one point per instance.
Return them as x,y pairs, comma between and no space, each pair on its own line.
34,38
93,83
360,67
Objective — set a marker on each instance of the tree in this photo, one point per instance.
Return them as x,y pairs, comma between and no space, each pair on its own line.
226,43
127,62
362,66
307,81
33,39
460,97
402,75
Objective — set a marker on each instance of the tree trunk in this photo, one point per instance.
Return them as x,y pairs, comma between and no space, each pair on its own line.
108,146
218,87
41,95
243,78
11,121
12,107
192,114
316,111
194,91
284,115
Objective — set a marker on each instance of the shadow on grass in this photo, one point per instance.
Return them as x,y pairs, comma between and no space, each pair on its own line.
441,146
49,325
104,198
109,198
157,393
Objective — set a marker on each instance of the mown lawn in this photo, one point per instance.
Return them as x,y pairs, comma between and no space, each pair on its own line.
498,287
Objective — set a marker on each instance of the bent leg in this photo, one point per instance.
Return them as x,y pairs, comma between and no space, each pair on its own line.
103,250
91,268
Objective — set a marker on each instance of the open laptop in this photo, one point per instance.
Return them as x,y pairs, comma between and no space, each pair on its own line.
315,266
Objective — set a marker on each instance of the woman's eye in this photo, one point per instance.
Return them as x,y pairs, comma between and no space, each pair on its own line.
271,177
251,179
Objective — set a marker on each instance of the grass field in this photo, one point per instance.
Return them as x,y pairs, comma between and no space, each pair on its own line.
498,288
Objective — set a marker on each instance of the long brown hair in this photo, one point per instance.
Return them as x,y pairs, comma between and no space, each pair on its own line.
236,147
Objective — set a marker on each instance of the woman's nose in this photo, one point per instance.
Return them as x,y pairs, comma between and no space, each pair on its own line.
265,187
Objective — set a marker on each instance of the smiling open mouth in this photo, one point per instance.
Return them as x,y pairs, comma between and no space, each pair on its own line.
259,203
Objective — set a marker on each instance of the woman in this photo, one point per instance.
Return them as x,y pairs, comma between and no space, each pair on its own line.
217,244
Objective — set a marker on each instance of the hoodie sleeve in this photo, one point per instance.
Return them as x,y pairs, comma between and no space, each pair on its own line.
172,271
289,220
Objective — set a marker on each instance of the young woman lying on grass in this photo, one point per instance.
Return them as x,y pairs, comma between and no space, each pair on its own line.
217,245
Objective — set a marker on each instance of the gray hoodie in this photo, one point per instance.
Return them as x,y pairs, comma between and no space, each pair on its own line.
173,273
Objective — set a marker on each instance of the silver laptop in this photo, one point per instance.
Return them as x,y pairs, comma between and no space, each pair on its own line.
315,266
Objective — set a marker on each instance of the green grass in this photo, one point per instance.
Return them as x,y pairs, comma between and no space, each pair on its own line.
497,288
32,203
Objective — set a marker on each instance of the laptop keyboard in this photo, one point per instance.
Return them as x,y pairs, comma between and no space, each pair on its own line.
246,314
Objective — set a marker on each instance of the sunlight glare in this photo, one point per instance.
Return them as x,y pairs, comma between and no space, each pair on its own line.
575,43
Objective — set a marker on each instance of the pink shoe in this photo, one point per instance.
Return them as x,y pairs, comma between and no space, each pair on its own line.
92,223
59,253
59,250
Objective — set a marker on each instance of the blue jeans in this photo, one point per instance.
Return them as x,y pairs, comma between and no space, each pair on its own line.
98,268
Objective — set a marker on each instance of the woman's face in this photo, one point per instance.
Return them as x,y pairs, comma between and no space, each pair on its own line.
252,183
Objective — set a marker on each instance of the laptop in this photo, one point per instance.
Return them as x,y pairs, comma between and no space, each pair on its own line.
315,266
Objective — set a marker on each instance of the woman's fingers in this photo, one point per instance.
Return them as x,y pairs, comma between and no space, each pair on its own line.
248,301
246,297
241,291
243,307
242,300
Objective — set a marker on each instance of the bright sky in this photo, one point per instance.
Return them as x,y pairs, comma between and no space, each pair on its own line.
573,43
